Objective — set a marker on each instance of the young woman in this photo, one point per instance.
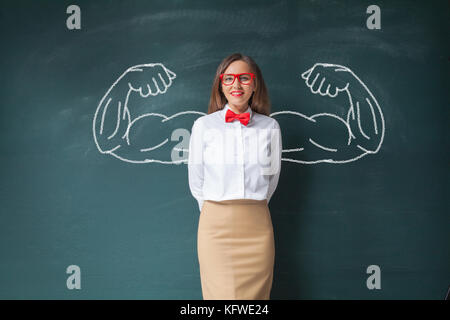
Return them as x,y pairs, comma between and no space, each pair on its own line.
235,241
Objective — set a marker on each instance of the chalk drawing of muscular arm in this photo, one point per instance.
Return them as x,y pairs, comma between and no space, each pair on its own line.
326,137
118,129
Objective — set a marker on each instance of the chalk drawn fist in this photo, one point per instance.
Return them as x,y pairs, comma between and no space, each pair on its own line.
149,79
327,79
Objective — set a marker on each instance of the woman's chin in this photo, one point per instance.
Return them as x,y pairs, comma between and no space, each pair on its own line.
238,101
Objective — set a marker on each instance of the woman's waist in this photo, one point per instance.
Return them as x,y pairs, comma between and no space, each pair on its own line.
238,201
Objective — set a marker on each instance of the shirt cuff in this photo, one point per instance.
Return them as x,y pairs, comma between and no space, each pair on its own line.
200,204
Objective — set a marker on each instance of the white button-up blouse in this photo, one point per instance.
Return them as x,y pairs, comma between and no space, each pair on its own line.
228,160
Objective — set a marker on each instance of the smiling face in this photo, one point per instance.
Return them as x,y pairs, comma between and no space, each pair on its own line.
238,94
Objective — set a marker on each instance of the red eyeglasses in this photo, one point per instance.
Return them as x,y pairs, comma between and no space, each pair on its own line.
229,78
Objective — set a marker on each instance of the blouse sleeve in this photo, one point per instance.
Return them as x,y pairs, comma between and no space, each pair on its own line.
195,163
278,148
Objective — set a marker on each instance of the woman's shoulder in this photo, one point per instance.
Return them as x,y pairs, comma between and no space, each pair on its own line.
207,119
210,118
267,120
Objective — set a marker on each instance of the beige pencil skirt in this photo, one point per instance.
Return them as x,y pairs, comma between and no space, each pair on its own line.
236,250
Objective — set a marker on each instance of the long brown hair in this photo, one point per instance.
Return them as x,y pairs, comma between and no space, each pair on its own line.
258,102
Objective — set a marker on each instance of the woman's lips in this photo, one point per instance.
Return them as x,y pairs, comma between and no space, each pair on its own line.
237,93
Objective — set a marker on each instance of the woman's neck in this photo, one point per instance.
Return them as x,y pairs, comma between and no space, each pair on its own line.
238,110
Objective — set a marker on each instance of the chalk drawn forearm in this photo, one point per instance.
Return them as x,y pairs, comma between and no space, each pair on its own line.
364,117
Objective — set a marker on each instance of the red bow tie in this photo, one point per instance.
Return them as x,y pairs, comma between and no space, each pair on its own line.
244,118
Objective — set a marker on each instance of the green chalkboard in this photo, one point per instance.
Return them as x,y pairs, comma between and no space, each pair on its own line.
93,164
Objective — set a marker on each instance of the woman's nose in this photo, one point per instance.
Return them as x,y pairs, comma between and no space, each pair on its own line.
237,84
